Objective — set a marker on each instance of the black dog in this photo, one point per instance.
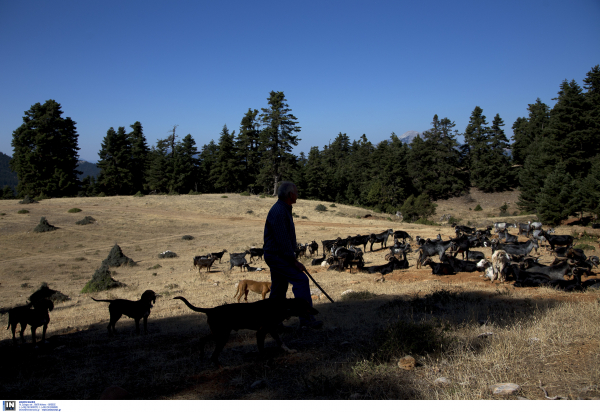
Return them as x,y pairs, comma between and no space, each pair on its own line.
263,316
136,310
35,317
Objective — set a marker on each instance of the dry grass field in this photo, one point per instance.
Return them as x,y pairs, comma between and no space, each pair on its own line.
470,332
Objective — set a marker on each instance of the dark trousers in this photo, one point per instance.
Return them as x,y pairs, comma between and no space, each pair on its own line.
282,274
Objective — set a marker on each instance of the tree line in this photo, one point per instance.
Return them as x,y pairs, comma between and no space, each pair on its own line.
553,158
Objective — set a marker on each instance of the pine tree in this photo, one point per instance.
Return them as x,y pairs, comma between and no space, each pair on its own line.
527,130
226,170
497,174
160,169
476,149
186,166
555,198
208,158
139,157
434,162
246,148
45,152
115,164
277,138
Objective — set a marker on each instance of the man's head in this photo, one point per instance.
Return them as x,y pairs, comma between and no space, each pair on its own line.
287,192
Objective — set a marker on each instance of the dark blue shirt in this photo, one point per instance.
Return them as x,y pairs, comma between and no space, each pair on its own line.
280,232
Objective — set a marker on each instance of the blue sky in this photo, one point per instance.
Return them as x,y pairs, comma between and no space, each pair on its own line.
372,67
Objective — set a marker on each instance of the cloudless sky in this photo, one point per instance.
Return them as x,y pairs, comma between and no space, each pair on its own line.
372,67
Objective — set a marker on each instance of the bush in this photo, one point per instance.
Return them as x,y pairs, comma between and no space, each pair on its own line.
44,226
453,220
321,208
478,208
101,194
116,258
249,212
26,200
244,194
262,196
363,295
424,221
74,210
138,194
224,197
417,208
101,280
86,221
187,237
332,205
23,211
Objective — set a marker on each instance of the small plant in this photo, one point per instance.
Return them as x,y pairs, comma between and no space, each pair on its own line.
477,208
187,237
23,211
321,208
224,197
154,274
74,210
157,266
262,196
423,221
295,215
245,193
25,285
303,217
363,295
101,194
332,205
86,221
138,194
249,212
453,220
504,210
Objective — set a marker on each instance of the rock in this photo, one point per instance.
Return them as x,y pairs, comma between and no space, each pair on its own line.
115,393
505,388
442,381
407,363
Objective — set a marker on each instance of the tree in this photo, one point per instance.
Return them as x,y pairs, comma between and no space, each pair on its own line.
246,148
45,152
186,166
207,158
556,196
115,164
434,162
277,138
160,169
139,157
476,148
528,130
418,207
494,172
225,171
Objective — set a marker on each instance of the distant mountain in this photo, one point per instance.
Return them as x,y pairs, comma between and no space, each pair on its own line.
88,169
7,176
408,136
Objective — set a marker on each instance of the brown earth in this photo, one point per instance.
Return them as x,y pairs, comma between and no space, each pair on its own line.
146,226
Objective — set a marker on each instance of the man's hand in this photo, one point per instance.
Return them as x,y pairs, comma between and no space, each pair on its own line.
300,267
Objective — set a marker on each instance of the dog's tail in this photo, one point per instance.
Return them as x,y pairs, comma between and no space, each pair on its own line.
102,300
189,305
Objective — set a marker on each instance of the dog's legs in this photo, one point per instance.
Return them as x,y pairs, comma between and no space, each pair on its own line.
145,325
22,331
220,342
246,294
44,328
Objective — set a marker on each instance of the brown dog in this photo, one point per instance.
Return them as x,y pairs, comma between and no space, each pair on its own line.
134,309
247,285
263,316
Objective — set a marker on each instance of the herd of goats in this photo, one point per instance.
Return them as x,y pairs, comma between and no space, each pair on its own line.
510,259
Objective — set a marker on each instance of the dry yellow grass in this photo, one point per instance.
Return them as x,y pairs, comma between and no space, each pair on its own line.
334,363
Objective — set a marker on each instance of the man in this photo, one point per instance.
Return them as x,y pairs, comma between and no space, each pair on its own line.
280,251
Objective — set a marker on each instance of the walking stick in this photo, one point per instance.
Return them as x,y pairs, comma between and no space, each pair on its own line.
315,282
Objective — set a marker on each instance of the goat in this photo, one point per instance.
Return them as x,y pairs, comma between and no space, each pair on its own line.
318,261
313,247
389,267
218,255
380,238
401,234
255,252
359,240
553,272
561,240
432,249
237,259
460,265
439,268
520,249
202,262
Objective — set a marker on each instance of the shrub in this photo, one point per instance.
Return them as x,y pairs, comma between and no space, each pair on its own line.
321,208
44,226
419,207
187,237
224,197
303,217
23,211
86,221
504,210
138,194
26,200
74,210
332,205
42,196
167,254
193,192
478,208
101,194
363,295
424,221
262,196
403,338
101,280
116,258
244,194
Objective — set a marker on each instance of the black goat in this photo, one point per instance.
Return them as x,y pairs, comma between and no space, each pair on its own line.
439,268
380,238
561,240
255,253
